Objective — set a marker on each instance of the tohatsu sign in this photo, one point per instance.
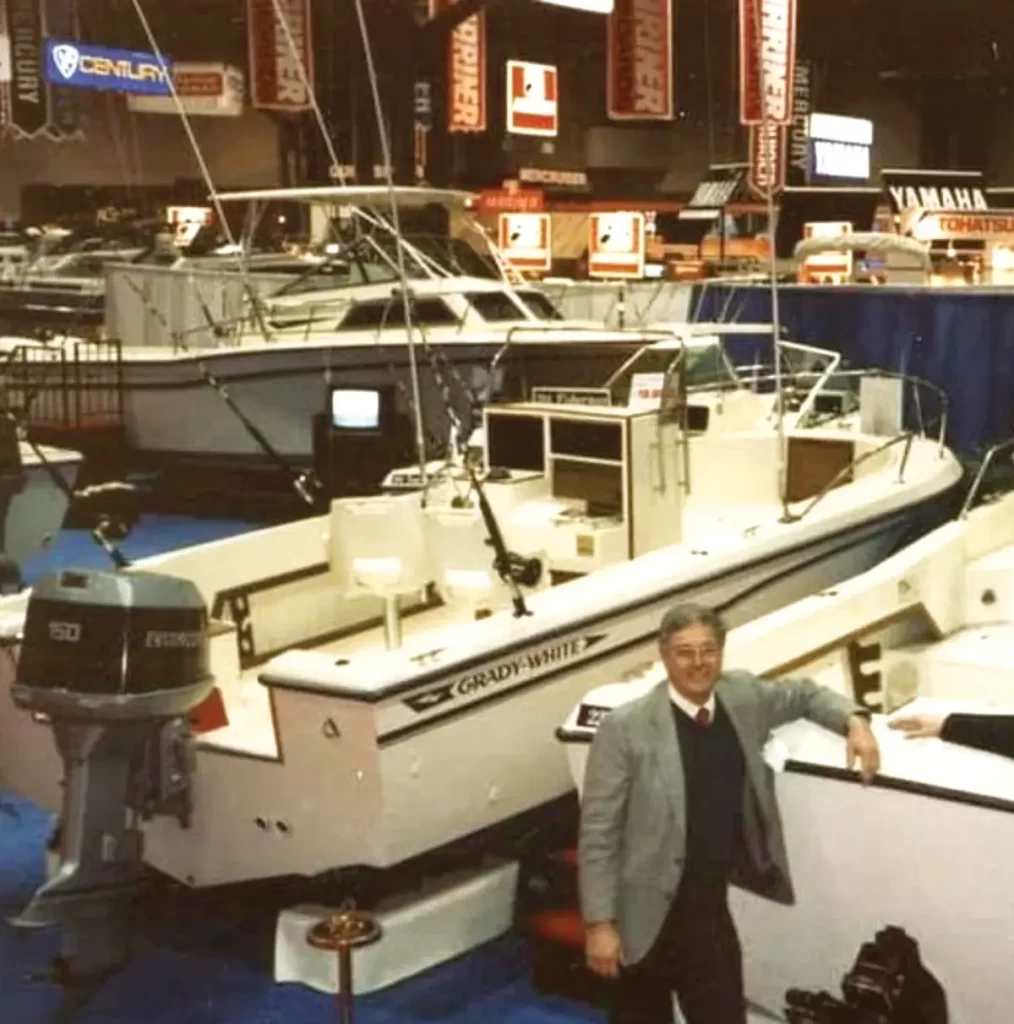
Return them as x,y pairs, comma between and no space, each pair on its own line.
767,58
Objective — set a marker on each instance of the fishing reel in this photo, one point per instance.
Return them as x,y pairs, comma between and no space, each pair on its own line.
518,570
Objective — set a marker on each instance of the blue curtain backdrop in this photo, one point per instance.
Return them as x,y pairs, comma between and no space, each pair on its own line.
960,340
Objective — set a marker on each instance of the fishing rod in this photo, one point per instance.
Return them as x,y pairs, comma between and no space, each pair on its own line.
514,570
306,485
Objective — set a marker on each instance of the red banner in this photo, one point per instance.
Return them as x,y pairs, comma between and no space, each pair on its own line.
639,59
466,71
276,82
768,152
767,59
532,104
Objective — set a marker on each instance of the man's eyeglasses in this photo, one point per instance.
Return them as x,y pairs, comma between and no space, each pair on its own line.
691,655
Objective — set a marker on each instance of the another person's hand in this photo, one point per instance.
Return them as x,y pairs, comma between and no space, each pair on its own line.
603,949
917,726
862,749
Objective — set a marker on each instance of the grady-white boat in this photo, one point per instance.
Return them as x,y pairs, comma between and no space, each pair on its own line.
929,630
392,681
340,323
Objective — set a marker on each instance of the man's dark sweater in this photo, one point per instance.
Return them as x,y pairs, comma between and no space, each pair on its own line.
993,733
714,774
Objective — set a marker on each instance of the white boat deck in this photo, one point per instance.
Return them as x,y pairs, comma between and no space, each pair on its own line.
251,729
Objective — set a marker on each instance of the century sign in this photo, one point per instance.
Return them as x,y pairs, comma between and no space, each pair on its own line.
639,57
767,57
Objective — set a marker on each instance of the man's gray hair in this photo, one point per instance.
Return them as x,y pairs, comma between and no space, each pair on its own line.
683,615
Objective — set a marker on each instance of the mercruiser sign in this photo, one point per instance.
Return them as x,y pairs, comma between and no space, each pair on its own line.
82,66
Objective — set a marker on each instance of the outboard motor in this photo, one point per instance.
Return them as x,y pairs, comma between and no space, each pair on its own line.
116,662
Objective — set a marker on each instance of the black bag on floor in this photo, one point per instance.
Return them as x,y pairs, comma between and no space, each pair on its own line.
888,984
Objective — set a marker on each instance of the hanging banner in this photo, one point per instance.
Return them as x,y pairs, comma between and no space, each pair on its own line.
768,145
525,241
532,104
767,57
83,66
29,95
466,71
60,20
798,170
616,245
276,82
6,70
639,58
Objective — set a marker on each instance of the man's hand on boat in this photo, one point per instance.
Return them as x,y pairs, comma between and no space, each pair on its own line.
918,726
862,748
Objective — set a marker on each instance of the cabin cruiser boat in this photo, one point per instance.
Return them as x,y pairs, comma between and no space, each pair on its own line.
401,651
340,323
929,630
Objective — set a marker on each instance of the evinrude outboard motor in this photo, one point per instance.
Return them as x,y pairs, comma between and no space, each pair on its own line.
116,662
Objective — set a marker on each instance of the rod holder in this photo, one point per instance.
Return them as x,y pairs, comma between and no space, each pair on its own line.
340,934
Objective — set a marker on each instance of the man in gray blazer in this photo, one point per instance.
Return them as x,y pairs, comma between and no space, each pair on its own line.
677,803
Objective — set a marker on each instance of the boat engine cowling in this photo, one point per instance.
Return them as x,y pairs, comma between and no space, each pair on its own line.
115,662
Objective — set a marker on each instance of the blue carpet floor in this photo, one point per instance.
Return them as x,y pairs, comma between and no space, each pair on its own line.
208,983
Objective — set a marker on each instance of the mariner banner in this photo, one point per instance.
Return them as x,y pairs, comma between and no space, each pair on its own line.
767,57
639,60
466,71
83,66
281,55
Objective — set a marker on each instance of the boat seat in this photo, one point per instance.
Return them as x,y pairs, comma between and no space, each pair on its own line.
463,559
378,547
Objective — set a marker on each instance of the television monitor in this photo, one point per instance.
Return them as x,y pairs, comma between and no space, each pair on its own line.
355,409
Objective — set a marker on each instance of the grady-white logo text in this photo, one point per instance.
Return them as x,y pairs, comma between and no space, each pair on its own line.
542,659
933,198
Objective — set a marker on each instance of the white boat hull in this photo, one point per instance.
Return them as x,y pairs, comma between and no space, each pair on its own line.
436,775
920,858
171,410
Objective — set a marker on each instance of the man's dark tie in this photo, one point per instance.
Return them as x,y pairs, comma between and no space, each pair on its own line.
703,716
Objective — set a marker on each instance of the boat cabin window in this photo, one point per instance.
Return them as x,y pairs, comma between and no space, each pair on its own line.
390,313
496,307
539,305
516,442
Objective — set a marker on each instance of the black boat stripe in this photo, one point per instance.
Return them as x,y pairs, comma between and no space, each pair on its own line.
499,653
408,730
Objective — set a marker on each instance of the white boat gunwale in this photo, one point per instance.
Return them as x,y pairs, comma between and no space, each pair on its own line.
498,651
